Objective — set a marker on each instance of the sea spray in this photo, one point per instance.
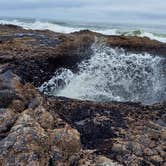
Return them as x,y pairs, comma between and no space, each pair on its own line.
112,74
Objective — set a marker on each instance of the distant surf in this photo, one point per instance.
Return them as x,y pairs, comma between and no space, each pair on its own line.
126,30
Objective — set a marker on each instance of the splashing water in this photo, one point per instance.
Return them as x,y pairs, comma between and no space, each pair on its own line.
112,75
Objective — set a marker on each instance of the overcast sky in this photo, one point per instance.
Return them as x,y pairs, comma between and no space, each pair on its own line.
88,10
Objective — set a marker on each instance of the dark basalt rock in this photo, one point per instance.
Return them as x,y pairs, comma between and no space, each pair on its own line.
43,130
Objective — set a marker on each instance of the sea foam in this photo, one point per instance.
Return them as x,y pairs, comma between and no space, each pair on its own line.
112,75
43,25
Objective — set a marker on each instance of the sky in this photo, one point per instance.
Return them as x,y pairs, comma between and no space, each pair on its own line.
145,11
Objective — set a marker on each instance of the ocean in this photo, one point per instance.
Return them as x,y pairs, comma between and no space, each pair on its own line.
110,74
154,32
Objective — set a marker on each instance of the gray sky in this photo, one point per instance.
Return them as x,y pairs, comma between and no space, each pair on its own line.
88,10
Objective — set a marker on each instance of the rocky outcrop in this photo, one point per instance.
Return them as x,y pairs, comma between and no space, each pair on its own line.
132,134
41,130
135,44
31,133
35,55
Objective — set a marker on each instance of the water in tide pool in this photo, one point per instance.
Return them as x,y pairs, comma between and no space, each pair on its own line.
112,75
156,32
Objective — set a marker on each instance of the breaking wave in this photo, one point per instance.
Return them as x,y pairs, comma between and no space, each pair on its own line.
68,28
112,75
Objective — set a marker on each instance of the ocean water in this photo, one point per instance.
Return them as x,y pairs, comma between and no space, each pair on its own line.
154,32
112,75
109,74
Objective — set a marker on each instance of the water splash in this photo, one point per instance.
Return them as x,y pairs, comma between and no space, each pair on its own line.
112,75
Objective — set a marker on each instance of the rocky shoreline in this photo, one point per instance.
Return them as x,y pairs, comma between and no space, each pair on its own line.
36,129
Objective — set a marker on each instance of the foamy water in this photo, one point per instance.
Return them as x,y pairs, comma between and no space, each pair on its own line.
112,75
43,25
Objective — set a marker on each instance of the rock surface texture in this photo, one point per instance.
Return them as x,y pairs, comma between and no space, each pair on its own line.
38,130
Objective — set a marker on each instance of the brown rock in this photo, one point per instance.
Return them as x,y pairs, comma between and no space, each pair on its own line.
135,148
25,144
36,129
149,152
66,140
102,161
163,135
7,119
119,148
156,159
44,118
17,105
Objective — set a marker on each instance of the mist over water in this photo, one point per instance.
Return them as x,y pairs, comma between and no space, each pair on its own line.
112,75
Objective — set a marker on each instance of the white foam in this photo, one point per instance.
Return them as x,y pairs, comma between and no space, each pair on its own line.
111,74
39,25
154,37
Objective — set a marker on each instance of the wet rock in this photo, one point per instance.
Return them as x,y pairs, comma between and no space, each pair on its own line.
149,152
41,130
8,80
17,105
135,148
6,97
156,160
65,146
163,136
136,44
7,119
44,118
25,144
8,84
133,138
66,140
119,148
161,122
102,161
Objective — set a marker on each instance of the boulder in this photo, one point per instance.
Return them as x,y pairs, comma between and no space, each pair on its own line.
27,143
